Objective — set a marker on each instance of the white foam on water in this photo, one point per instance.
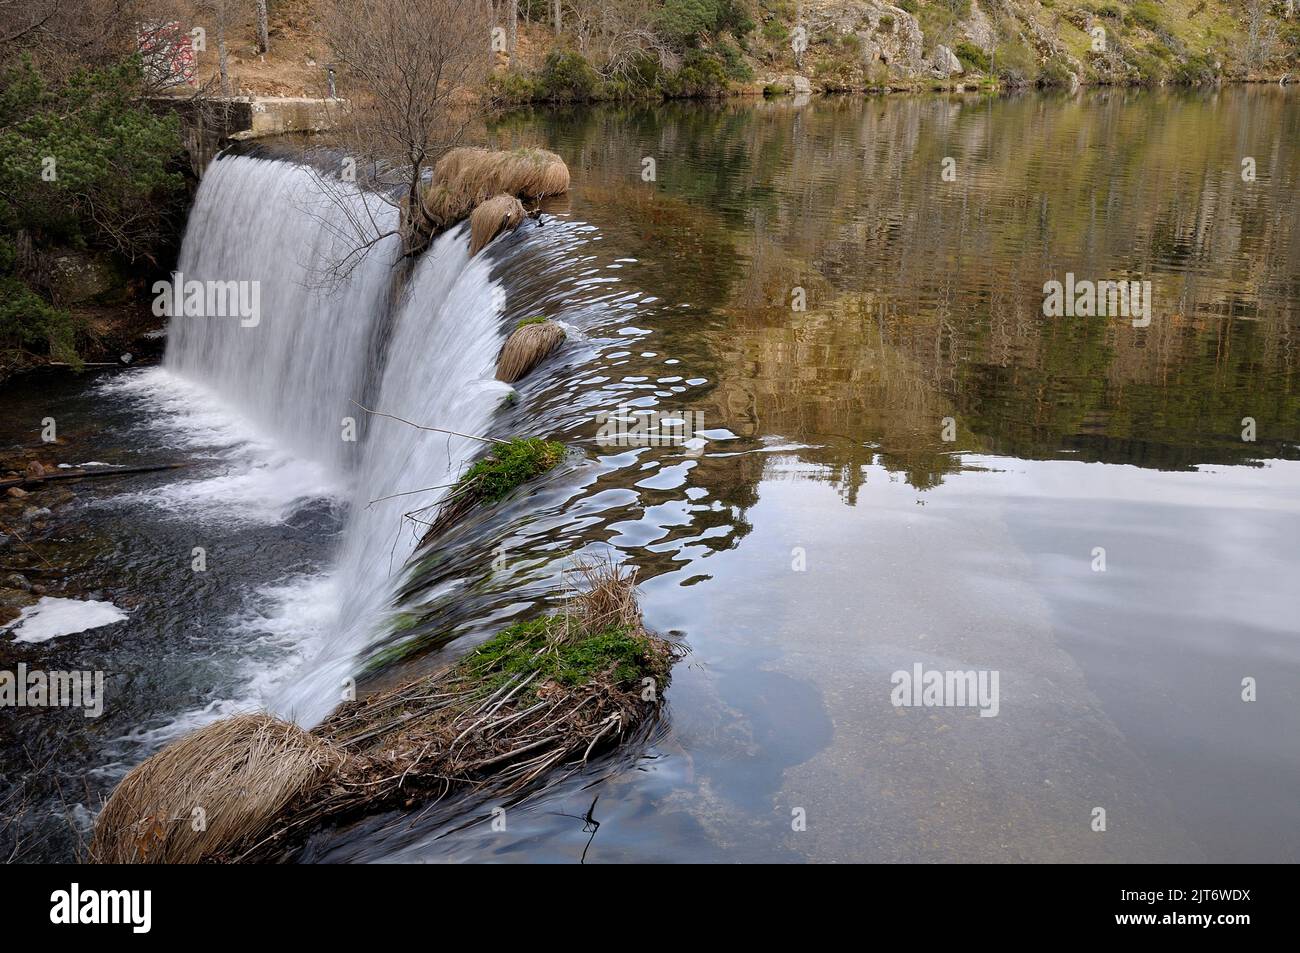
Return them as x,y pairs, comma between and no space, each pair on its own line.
256,479
54,618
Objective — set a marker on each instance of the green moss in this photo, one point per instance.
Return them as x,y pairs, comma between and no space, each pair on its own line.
535,319
511,464
541,646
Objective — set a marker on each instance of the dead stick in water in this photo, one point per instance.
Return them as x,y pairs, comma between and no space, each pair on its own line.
88,474
454,433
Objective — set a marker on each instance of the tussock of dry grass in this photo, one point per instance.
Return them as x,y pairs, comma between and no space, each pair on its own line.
465,178
527,347
240,773
537,700
489,219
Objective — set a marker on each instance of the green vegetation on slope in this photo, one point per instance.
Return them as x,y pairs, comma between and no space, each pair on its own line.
700,48
83,167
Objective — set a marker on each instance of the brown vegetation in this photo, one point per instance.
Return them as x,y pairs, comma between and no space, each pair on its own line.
498,214
526,348
543,695
225,782
467,177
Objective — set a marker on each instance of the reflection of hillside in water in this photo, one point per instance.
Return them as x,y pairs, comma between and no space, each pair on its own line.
924,296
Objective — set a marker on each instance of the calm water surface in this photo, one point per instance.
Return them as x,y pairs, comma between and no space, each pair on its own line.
1119,689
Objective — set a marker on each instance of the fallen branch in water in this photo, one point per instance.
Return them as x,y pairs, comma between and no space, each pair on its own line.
88,474
411,423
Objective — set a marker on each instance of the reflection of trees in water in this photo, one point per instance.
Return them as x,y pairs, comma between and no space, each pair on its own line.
924,297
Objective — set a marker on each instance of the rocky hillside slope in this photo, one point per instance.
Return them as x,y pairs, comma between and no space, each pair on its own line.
647,48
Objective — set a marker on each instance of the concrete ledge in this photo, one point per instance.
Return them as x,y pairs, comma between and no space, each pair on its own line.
274,115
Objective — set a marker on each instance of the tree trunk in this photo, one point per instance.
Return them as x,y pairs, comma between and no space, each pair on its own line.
263,30
514,30
557,16
222,61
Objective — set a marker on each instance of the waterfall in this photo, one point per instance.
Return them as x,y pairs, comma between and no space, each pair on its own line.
425,353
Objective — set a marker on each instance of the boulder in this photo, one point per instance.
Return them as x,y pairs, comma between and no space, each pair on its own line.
77,277
794,83
945,62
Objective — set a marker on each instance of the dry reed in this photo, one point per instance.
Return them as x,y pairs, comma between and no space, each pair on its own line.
465,178
223,783
535,702
489,219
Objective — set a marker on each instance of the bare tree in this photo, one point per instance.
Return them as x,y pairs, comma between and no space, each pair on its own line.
65,36
1261,33
403,64
513,21
218,17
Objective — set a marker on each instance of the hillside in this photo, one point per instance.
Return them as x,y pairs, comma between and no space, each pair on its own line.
612,49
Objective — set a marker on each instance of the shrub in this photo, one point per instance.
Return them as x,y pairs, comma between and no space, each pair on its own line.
700,75
514,88
113,189
1054,75
774,31
1016,66
683,21
972,57
567,77
733,63
1196,70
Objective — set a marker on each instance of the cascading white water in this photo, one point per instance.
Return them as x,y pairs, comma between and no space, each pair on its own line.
293,373
438,372
316,350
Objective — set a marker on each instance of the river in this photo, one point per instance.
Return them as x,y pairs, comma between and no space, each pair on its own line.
899,461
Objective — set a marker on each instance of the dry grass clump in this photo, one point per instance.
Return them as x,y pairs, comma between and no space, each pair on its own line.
489,219
534,702
231,779
528,346
605,597
465,178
